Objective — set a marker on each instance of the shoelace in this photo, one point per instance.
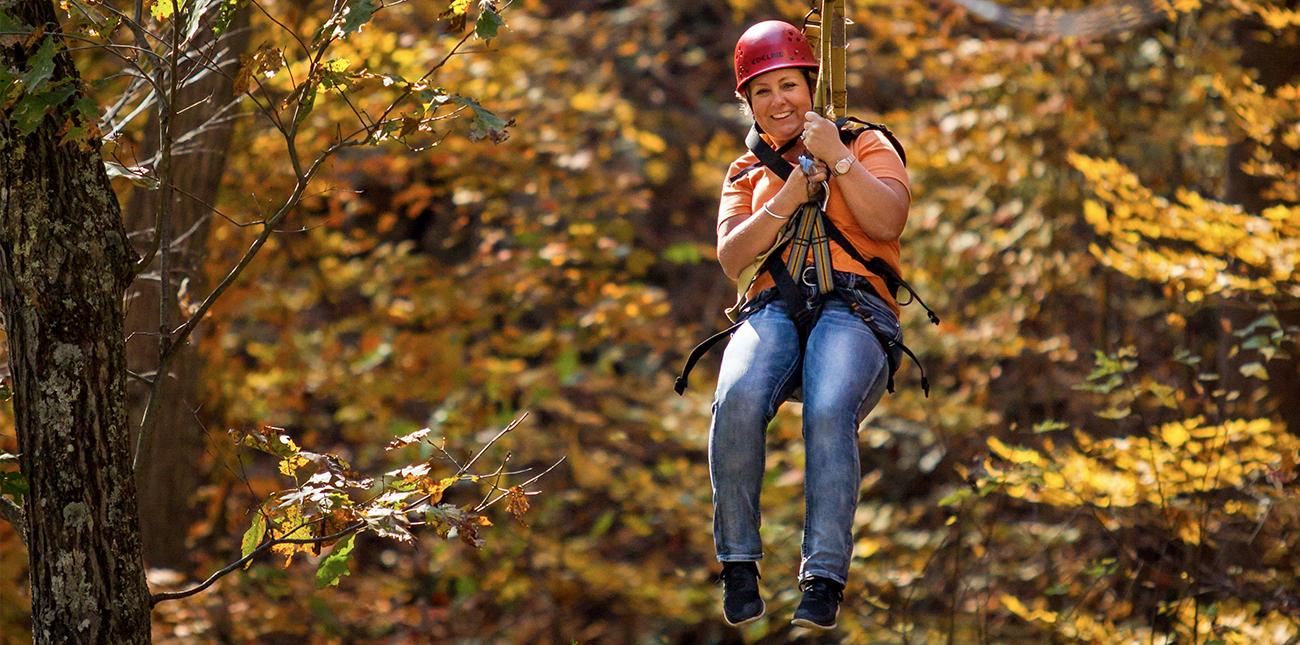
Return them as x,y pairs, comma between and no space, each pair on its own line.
821,590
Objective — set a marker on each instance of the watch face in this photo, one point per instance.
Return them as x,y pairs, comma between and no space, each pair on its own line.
842,166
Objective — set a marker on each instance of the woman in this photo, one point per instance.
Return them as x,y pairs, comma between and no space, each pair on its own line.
841,365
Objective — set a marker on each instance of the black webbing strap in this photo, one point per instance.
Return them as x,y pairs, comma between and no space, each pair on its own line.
767,156
699,352
881,268
892,282
853,133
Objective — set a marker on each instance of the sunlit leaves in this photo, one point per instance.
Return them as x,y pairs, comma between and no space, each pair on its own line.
1182,459
332,503
335,565
455,15
266,62
1195,245
355,14
164,9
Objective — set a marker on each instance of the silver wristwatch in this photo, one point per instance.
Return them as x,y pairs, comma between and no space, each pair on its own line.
843,165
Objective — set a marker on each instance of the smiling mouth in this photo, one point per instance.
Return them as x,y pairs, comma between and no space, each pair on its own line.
782,115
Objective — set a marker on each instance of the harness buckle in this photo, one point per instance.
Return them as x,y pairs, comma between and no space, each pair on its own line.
809,282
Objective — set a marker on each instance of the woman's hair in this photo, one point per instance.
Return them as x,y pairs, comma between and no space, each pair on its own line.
748,110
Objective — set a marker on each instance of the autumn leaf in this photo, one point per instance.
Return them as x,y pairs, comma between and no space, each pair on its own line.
455,15
517,503
418,435
253,537
335,565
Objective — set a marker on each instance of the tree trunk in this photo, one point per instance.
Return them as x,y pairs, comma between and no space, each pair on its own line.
168,479
66,267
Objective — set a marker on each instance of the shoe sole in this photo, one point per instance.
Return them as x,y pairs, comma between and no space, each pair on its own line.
762,608
804,622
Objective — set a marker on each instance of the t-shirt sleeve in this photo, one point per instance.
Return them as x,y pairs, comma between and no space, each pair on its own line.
879,157
738,196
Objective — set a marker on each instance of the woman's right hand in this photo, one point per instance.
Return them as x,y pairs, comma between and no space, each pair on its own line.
741,239
796,188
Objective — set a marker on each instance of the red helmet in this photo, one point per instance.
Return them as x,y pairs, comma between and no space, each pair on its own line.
769,45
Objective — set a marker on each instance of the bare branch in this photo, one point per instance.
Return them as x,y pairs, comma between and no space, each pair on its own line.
514,424
13,513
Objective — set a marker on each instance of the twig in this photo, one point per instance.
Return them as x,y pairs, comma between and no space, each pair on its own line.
508,428
154,599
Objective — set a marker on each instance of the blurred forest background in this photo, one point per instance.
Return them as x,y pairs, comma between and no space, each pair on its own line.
1105,216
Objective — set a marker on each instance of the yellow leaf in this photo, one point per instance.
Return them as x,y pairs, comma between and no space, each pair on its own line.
1174,434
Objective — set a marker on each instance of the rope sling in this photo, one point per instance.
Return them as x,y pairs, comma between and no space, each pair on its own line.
809,230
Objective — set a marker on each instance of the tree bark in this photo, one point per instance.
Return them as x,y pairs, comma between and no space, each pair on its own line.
168,479
66,266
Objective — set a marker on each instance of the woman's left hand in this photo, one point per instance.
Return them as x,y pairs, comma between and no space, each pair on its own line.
822,138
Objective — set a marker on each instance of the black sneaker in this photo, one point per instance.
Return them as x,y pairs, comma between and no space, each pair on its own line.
821,603
741,603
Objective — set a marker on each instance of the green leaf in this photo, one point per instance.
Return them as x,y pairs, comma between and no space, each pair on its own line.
603,524
683,253
13,484
1049,426
307,103
1254,369
1110,384
1267,321
254,535
40,67
335,565
1115,413
11,30
489,21
31,108
956,497
356,14
485,124
224,16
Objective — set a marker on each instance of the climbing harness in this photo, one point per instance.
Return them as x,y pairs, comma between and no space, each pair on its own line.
809,231
802,230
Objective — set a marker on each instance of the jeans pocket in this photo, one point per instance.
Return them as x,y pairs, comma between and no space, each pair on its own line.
881,318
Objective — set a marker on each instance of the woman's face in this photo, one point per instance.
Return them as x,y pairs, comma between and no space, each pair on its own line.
779,99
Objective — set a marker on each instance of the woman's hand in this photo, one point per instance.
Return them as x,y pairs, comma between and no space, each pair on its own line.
799,187
822,138
879,206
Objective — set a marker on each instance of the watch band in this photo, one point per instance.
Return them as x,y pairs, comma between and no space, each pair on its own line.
846,162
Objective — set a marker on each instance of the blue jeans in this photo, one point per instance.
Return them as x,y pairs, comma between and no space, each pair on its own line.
843,375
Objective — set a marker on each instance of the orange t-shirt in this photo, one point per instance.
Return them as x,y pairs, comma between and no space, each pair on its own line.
750,191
